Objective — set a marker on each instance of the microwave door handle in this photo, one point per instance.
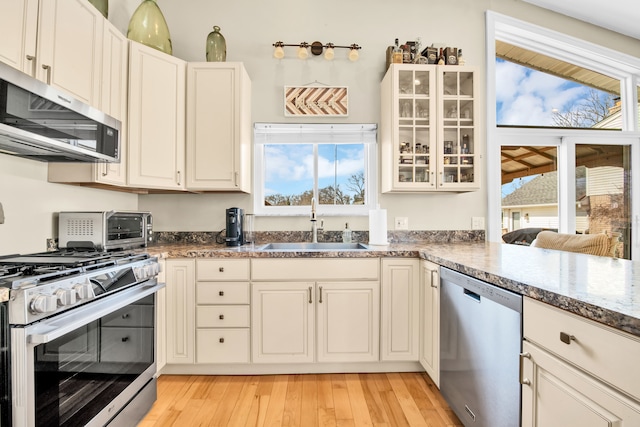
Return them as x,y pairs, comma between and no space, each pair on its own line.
49,330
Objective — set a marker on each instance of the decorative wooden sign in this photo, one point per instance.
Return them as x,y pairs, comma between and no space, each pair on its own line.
305,101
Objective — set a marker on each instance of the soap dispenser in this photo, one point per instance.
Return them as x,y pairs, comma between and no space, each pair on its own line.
346,234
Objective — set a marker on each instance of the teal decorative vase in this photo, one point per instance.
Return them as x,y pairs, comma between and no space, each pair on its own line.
148,26
216,46
102,6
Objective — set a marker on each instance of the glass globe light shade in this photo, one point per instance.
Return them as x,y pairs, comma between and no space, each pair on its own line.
329,54
278,53
303,53
354,55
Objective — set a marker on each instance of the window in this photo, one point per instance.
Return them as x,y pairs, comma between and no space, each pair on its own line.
563,129
332,163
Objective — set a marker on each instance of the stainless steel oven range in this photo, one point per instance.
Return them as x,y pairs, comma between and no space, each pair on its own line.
81,337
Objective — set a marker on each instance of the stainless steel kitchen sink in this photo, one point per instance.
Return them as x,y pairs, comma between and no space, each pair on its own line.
308,246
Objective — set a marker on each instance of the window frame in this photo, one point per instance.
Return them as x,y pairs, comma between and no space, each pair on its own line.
623,67
370,169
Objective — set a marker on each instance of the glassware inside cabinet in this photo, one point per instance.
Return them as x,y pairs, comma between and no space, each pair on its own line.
405,82
421,82
406,109
466,112
405,174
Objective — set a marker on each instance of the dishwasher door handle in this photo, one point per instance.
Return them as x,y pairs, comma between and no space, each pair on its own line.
472,295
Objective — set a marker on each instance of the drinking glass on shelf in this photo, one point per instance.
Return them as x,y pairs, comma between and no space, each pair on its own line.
248,228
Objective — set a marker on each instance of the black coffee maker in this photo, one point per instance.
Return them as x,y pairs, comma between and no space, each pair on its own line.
235,236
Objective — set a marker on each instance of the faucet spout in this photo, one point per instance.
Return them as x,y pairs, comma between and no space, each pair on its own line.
314,221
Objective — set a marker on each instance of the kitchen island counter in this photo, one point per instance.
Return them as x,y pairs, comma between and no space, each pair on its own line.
599,288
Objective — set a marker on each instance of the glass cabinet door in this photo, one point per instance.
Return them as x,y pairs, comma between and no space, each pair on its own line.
458,155
414,161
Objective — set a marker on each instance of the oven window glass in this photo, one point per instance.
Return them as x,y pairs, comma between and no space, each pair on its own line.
79,374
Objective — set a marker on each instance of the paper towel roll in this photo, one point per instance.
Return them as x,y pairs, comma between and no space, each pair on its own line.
378,227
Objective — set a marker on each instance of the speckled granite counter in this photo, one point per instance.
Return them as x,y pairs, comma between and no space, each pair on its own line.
599,288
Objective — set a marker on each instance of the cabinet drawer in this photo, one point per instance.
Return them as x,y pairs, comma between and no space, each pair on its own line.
222,269
126,345
605,352
222,345
222,316
316,269
222,293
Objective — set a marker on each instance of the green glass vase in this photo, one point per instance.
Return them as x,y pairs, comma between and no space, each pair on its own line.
148,26
102,6
216,46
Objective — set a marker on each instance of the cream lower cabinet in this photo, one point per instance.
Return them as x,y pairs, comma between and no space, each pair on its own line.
156,119
180,303
400,309
222,311
315,310
575,372
430,319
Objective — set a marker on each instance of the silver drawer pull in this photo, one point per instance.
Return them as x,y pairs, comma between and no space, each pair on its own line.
566,338
221,269
524,381
221,293
221,317
222,340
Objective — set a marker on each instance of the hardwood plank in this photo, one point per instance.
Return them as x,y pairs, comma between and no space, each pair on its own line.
341,402
293,402
326,409
240,411
409,407
228,402
275,409
425,406
356,399
438,401
374,401
258,410
309,404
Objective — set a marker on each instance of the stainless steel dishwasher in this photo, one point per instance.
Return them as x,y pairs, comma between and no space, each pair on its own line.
480,342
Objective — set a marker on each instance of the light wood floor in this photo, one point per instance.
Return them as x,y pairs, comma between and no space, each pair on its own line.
387,399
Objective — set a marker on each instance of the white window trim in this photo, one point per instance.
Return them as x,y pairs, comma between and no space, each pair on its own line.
371,175
624,67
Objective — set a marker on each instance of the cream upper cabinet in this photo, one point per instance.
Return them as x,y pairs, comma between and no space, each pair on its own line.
113,102
179,311
57,41
218,127
429,133
575,372
19,23
430,319
400,305
156,119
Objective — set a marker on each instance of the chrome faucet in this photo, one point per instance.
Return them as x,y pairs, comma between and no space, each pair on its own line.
314,222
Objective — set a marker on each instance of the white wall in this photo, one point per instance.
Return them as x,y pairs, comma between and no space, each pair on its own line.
30,204
250,27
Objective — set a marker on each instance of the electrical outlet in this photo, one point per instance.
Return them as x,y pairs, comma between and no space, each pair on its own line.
477,223
402,223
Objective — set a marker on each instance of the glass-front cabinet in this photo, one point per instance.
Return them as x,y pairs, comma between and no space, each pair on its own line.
428,129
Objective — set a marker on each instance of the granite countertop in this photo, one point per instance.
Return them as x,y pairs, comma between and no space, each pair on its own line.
599,288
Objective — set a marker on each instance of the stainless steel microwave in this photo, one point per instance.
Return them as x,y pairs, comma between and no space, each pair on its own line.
106,230
39,122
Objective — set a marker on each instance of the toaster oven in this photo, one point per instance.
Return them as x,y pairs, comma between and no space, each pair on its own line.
104,231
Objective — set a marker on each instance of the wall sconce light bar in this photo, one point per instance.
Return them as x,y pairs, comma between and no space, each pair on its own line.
316,49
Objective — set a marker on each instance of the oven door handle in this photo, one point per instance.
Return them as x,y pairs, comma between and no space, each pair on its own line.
56,327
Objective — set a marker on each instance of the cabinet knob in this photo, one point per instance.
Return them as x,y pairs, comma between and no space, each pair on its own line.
566,338
221,269
30,57
221,293
221,317
125,339
125,316
221,340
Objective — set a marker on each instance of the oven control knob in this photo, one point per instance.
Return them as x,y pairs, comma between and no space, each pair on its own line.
66,297
41,304
84,291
